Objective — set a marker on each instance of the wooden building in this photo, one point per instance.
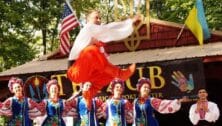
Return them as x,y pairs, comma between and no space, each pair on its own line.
157,57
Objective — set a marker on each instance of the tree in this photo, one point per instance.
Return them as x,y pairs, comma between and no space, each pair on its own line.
20,23
29,28
178,10
15,37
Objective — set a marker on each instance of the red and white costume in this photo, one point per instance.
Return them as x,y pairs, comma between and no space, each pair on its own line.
91,63
210,116
165,106
143,110
106,33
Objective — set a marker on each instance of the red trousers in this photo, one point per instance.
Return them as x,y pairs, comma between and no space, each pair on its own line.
93,66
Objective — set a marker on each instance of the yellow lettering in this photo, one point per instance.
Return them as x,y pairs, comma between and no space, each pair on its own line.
156,95
75,87
155,73
130,96
59,79
128,84
140,71
109,88
103,98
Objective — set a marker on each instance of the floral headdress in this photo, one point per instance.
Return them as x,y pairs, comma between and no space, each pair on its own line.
117,81
50,83
14,80
142,81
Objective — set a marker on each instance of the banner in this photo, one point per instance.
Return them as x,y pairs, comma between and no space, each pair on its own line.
169,79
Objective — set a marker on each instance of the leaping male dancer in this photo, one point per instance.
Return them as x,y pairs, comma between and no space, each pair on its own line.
91,63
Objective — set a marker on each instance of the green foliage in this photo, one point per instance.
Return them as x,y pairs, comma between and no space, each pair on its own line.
19,24
178,10
14,36
15,54
29,28
3,120
175,10
213,11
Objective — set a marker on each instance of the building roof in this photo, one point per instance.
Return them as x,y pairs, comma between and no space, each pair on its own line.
162,34
143,56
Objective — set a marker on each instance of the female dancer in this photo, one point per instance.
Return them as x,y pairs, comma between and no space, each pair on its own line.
19,107
119,111
144,105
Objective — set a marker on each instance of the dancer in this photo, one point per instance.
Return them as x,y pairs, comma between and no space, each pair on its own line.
144,105
19,107
91,63
119,111
55,109
203,112
88,116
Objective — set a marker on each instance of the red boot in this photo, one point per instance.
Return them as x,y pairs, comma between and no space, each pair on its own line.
125,74
116,72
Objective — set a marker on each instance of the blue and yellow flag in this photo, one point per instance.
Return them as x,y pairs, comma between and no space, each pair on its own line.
197,23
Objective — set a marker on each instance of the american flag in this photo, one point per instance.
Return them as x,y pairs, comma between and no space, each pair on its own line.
69,22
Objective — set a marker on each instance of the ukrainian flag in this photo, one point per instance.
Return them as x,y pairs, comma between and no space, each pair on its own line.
197,23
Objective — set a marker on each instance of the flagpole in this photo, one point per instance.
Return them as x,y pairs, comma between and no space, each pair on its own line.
179,35
69,22
68,3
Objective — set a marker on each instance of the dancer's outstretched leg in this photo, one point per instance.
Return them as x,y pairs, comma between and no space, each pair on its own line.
116,72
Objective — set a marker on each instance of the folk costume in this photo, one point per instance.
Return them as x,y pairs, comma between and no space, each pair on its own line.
21,111
89,117
91,63
54,113
119,111
204,117
144,105
54,109
143,110
19,108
